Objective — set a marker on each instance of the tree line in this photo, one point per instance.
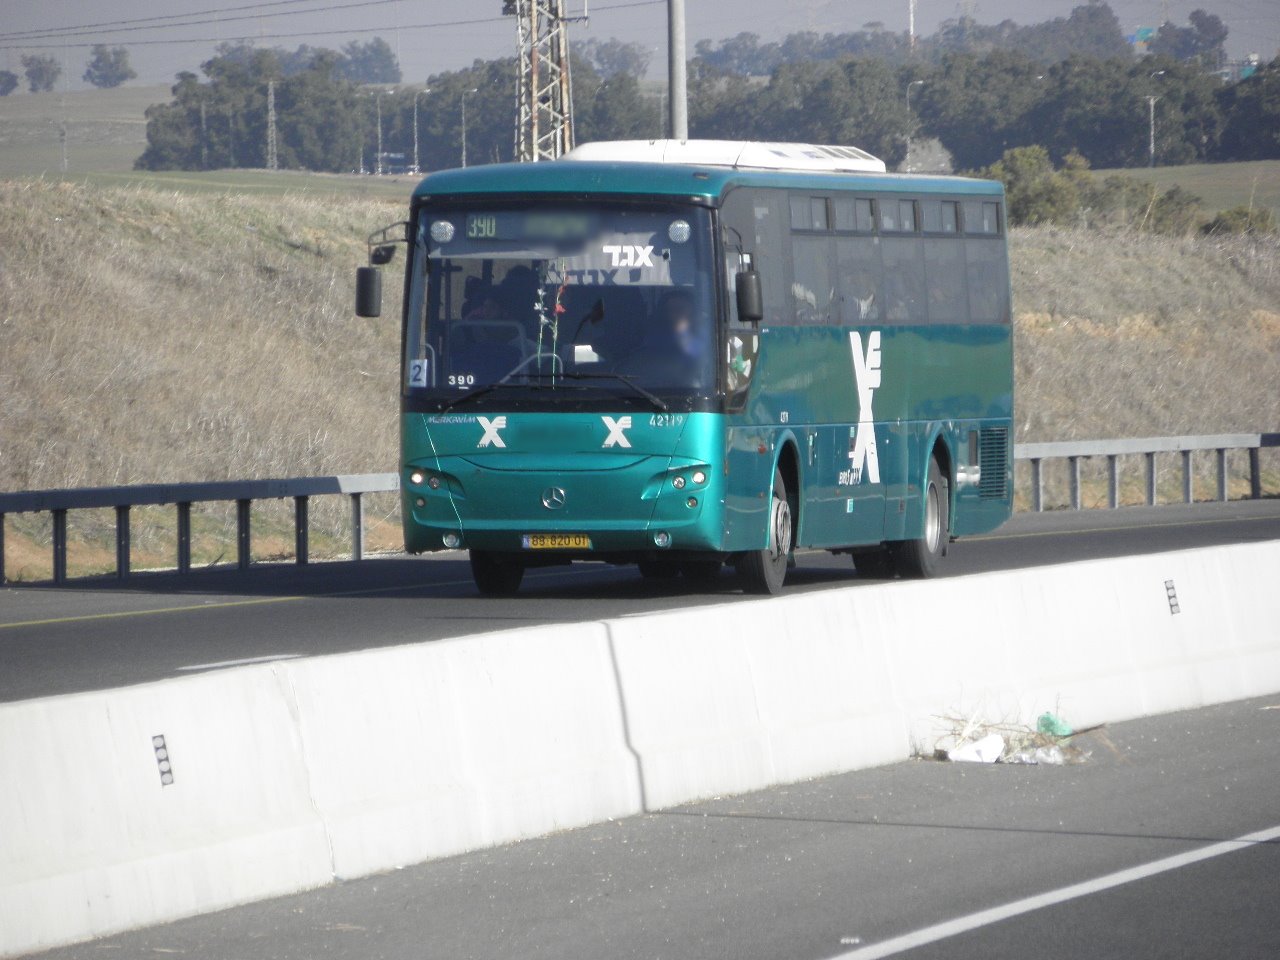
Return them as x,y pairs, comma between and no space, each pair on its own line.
981,101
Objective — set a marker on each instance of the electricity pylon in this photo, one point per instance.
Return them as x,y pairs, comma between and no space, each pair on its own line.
544,111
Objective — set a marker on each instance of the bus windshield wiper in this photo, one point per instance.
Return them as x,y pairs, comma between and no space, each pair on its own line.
653,398
479,392
649,396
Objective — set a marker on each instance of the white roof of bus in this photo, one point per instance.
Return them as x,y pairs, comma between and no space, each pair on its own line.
738,154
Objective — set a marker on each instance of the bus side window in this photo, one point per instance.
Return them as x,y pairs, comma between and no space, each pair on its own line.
858,266
988,281
944,271
812,291
903,280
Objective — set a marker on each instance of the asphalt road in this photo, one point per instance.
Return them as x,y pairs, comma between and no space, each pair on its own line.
97,634
851,866
104,633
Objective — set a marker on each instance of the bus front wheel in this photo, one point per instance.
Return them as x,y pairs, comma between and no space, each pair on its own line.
922,557
494,575
763,571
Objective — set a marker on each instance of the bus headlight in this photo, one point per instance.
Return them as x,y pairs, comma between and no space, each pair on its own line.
452,541
699,477
662,539
416,477
678,483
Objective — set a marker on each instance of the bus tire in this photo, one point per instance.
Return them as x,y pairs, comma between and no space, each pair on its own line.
763,571
495,576
875,563
658,569
921,558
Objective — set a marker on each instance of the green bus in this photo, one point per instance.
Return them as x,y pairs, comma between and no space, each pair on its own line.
686,355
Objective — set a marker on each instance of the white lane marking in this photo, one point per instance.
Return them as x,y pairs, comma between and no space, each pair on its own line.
241,663
982,918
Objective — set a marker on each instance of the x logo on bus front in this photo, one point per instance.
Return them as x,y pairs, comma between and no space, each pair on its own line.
491,428
616,428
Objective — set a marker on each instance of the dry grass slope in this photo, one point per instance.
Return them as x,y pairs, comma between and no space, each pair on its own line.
154,336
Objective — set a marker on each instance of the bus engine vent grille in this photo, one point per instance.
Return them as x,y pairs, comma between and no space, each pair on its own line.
994,455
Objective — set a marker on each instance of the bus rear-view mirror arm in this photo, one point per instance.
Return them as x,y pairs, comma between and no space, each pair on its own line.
382,250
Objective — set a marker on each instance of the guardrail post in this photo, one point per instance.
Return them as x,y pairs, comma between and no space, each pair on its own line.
357,527
59,546
1151,479
242,533
1255,485
184,538
1075,482
300,529
1037,487
1222,474
122,541
1188,493
1113,482
1,548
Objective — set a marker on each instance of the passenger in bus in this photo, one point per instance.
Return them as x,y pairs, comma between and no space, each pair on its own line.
866,306
675,350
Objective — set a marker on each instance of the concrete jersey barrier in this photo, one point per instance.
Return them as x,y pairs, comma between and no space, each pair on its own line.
288,775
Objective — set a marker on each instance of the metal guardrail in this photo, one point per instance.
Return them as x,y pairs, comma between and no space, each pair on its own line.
183,495
301,489
1149,447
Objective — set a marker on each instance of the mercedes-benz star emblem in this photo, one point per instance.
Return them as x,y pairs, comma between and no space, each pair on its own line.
553,498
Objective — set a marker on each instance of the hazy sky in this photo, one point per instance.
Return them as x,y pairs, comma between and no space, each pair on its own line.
429,37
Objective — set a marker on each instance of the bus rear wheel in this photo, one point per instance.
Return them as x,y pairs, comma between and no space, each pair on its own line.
921,558
763,571
495,576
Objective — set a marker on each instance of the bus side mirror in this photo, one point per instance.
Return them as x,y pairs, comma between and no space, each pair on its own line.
382,254
368,292
750,296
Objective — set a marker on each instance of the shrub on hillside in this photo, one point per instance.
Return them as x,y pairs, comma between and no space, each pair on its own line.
1241,220
1038,193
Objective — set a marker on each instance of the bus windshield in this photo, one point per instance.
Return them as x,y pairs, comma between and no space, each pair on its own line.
597,304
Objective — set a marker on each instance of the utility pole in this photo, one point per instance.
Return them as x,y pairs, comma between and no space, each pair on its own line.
676,79
544,95
204,138
272,159
464,123
62,130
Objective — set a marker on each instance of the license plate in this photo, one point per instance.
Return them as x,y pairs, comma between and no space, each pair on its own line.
556,541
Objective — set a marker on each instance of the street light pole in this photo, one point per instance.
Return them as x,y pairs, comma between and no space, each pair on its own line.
416,168
1151,139
377,162
1151,124
913,83
464,124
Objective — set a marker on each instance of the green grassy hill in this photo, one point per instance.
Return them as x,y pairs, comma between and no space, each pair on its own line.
1219,186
